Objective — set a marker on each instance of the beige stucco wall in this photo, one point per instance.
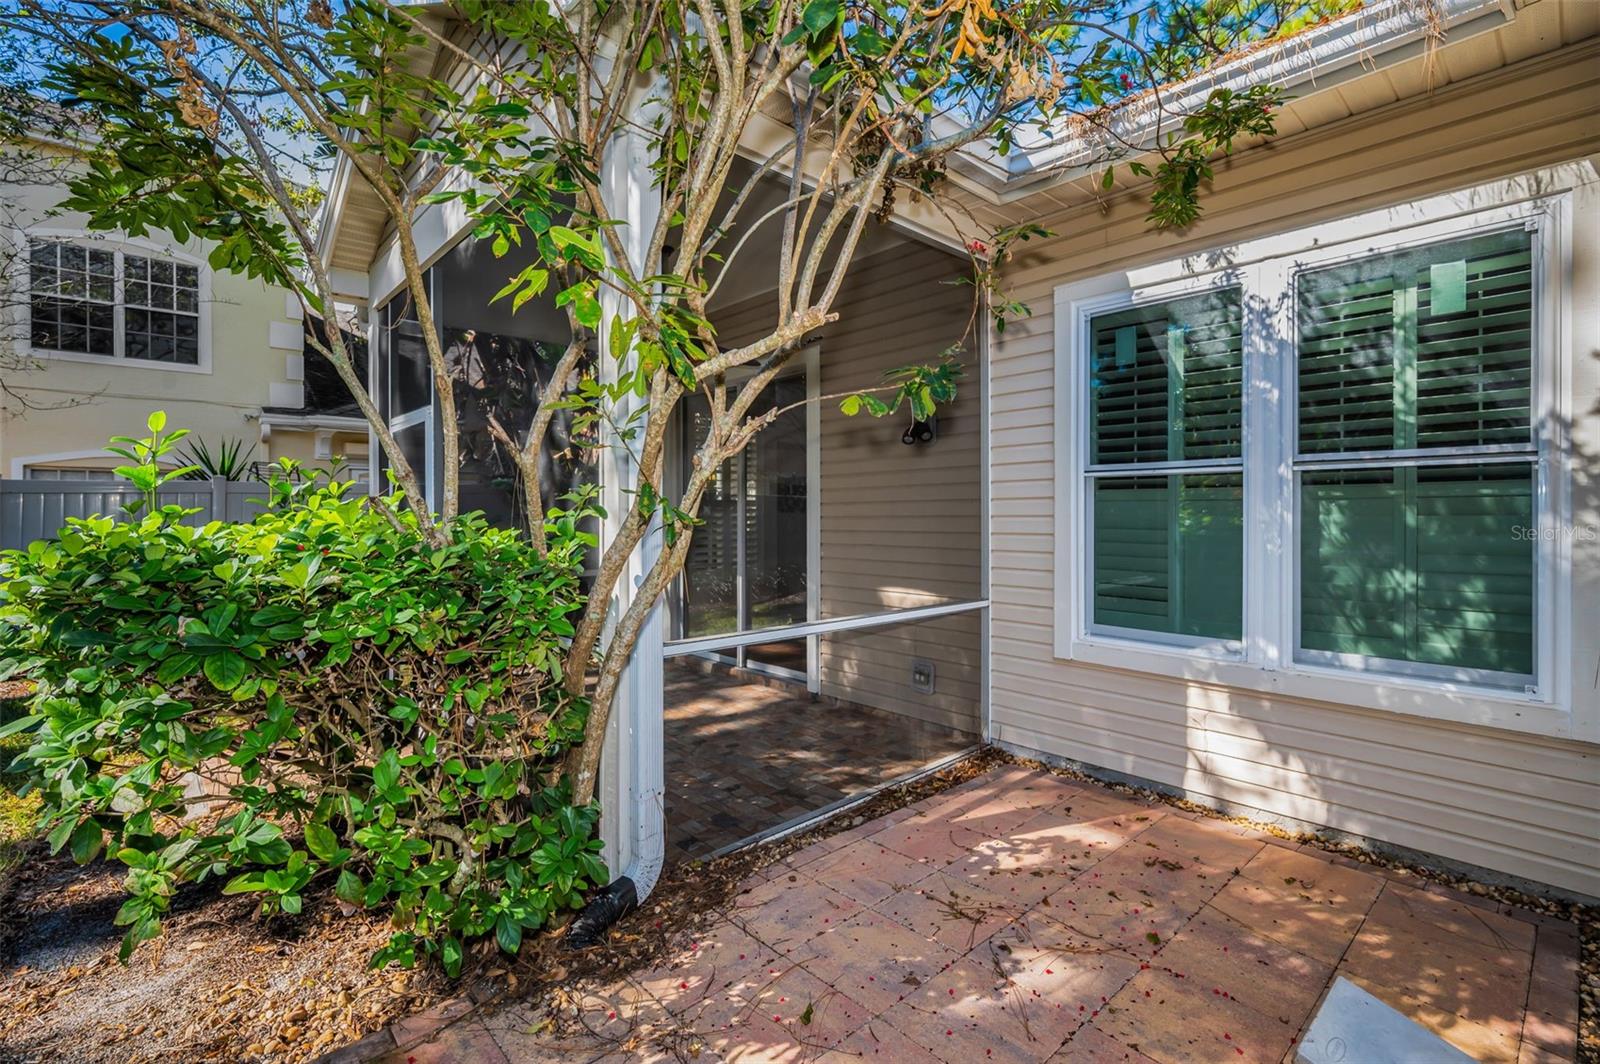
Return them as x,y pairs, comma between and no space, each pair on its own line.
1523,804
900,525
301,446
255,352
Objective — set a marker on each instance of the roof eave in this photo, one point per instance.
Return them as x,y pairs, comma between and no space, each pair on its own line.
1322,57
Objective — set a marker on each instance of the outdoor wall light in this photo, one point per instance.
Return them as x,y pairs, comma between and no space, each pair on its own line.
921,432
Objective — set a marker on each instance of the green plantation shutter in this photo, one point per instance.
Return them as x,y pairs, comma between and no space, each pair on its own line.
1165,385
1380,368
1424,565
1474,364
1165,381
1169,554
1475,567
1428,349
1210,556
1346,362
1132,573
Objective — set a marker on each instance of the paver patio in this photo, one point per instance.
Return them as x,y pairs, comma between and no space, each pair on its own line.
1026,917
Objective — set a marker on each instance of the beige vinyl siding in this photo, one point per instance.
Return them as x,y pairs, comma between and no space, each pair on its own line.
901,526
1516,803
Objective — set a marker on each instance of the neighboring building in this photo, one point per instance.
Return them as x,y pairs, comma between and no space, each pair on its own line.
1296,512
100,330
326,426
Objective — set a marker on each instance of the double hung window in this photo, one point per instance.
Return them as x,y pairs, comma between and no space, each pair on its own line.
1331,460
1416,458
1165,479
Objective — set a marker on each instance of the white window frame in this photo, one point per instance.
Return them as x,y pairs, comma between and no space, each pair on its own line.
1266,660
1082,314
119,246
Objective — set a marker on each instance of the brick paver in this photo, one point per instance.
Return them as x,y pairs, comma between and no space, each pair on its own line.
744,755
1020,917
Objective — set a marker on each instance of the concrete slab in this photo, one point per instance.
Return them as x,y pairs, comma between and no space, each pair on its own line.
1352,1026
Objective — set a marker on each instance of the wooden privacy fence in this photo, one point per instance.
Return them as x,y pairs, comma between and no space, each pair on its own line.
38,509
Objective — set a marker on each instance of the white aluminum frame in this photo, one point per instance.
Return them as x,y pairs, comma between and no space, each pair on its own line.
422,415
1111,302
1269,661
808,361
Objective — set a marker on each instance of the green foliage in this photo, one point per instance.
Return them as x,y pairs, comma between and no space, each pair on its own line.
1186,165
230,461
370,711
921,389
146,454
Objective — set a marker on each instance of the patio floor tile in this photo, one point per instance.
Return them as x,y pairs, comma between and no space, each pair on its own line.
807,1013
1455,915
928,840
875,960
1248,968
1311,905
1062,977
1180,1020
877,1040
1090,1045
1439,968
1134,906
950,911
787,911
866,871
701,966
1044,854
1551,1022
753,1039
998,804
1200,842
969,1012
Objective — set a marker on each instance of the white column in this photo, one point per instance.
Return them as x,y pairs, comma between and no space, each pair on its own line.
631,786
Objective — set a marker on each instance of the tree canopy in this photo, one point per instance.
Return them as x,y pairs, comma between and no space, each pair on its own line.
210,115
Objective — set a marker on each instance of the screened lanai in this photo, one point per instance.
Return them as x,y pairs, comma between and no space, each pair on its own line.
825,637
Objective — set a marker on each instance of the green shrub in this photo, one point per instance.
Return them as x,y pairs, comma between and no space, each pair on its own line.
369,709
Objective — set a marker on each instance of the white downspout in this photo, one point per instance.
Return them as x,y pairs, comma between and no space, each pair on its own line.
632,787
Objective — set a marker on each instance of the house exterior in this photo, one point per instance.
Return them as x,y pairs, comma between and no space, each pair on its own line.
101,329
1295,513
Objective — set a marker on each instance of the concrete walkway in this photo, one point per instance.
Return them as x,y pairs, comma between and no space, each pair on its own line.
1025,917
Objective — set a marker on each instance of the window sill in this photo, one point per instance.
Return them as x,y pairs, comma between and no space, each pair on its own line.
1381,692
204,365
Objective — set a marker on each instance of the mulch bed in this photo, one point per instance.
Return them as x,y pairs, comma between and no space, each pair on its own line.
221,984
224,984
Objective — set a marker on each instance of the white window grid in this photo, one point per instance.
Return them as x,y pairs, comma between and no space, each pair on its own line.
187,301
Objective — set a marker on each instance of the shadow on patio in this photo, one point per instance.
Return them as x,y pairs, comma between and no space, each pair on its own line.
1024,916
